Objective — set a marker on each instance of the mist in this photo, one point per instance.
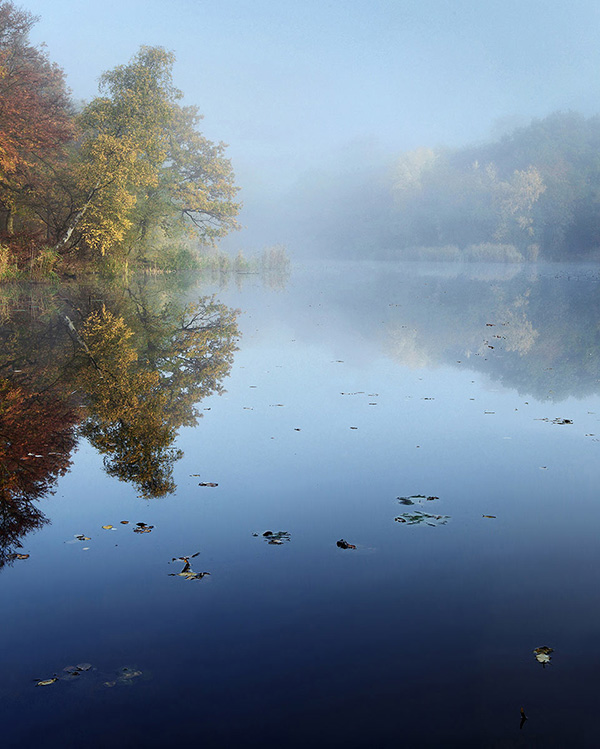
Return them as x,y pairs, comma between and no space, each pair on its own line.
297,90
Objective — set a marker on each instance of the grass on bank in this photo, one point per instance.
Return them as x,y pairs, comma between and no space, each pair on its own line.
44,264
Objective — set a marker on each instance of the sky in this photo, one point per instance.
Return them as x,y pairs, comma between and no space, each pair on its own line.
292,85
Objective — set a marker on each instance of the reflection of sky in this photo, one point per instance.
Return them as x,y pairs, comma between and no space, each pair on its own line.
305,637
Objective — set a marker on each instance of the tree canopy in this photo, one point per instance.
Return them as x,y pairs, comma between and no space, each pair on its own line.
123,176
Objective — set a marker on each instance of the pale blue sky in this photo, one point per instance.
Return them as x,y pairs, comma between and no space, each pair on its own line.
289,84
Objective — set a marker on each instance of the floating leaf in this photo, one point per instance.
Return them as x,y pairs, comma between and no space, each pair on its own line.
108,527
21,556
418,497
207,483
47,682
124,522
276,539
419,517
187,572
343,544
143,528
488,516
542,654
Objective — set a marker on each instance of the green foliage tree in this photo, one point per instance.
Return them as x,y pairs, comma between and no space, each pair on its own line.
142,168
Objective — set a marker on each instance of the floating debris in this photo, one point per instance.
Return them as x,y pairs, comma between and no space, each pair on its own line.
207,483
187,572
125,675
124,522
419,518
542,655
18,556
109,528
488,516
523,719
557,421
415,498
143,528
343,544
276,539
46,682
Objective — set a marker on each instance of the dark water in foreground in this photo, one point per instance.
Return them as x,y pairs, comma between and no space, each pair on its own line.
351,387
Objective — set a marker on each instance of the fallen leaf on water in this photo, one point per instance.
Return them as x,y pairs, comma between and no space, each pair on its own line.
418,497
343,544
108,527
523,719
143,528
21,556
419,517
207,483
124,522
542,655
488,516
46,682
276,539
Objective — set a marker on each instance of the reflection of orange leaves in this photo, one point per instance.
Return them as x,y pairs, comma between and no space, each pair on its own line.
36,439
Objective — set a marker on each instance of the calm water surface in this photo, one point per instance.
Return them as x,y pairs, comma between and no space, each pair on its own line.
345,389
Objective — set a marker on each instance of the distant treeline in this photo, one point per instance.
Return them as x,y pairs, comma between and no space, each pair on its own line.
533,193
117,179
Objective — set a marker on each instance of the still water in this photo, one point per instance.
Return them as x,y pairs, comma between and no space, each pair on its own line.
445,420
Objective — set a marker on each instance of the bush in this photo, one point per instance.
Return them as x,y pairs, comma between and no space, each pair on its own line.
43,264
8,265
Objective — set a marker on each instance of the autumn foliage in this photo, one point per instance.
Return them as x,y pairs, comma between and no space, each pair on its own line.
126,173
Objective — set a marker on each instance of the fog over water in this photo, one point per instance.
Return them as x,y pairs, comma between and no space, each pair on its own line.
298,89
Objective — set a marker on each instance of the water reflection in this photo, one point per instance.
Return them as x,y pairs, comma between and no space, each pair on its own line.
532,329
535,333
123,366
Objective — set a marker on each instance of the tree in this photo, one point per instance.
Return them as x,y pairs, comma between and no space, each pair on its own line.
35,121
142,166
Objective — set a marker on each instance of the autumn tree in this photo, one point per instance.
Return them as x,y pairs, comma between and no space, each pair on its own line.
143,168
35,124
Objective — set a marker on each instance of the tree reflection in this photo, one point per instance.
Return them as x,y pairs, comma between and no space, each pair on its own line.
37,435
137,399
111,365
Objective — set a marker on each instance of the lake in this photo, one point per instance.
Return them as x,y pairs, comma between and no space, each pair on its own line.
443,419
